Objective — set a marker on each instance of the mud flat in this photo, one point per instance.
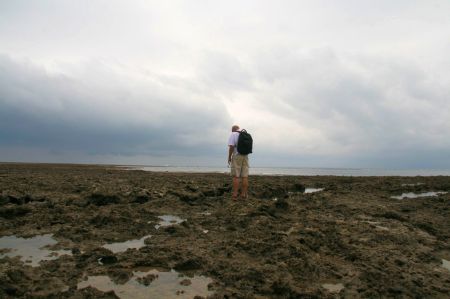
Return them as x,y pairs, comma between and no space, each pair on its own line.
105,232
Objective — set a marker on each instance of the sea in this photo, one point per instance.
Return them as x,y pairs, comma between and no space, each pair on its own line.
307,171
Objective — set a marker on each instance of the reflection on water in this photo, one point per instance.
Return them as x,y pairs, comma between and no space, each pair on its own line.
123,246
168,220
414,195
333,288
446,264
152,284
312,190
31,250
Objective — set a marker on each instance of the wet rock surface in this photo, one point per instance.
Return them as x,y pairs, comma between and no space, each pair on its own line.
279,243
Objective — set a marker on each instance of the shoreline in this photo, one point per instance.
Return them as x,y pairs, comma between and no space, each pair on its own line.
261,171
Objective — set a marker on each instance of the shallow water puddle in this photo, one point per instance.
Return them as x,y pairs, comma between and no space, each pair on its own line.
333,288
446,264
414,184
123,246
31,250
168,220
381,228
377,226
313,190
414,195
152,284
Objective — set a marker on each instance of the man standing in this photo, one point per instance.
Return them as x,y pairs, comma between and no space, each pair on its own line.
239,164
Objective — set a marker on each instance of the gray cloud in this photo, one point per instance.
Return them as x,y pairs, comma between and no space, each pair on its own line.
363,102
98,114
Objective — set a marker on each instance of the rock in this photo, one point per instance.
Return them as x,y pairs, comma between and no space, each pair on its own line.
189,197
76,251
107,259
191,188
297,187
282,204
20,200
4,199
12,212
171,230
185,282
147,280
141,196
15,275
191,264
120,276
142,199
391,215
100,199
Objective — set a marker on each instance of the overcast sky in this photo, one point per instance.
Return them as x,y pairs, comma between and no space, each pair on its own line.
349,83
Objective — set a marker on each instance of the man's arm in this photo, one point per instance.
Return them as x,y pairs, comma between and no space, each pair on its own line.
230,153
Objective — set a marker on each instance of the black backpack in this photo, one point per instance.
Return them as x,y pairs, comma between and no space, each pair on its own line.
245,143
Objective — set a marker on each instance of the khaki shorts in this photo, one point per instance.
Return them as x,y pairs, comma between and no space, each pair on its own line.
239,166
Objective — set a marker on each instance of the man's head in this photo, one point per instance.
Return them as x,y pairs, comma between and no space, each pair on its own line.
235,128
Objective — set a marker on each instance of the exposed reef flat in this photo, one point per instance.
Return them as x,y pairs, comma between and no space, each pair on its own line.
348,239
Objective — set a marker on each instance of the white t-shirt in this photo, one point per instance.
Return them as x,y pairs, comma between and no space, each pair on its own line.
233,140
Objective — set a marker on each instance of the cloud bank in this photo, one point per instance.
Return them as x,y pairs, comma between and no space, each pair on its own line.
103,112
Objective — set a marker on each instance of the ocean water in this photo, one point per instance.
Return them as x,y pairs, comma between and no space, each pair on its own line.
297,171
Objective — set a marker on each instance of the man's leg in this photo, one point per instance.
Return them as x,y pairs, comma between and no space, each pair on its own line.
244,191
236,172
235,187
244,175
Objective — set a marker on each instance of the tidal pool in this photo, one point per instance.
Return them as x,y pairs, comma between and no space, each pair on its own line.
333,288
377,226
123,246
415,195
152,284
168,220
31,250
312,190
446,264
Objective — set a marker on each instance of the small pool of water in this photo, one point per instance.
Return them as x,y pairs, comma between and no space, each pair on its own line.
152,284
168,220
333,288
313,190
123,246
31,250
377,225
417,195
446,264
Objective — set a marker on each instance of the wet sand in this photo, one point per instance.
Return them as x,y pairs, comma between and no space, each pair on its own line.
348,239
